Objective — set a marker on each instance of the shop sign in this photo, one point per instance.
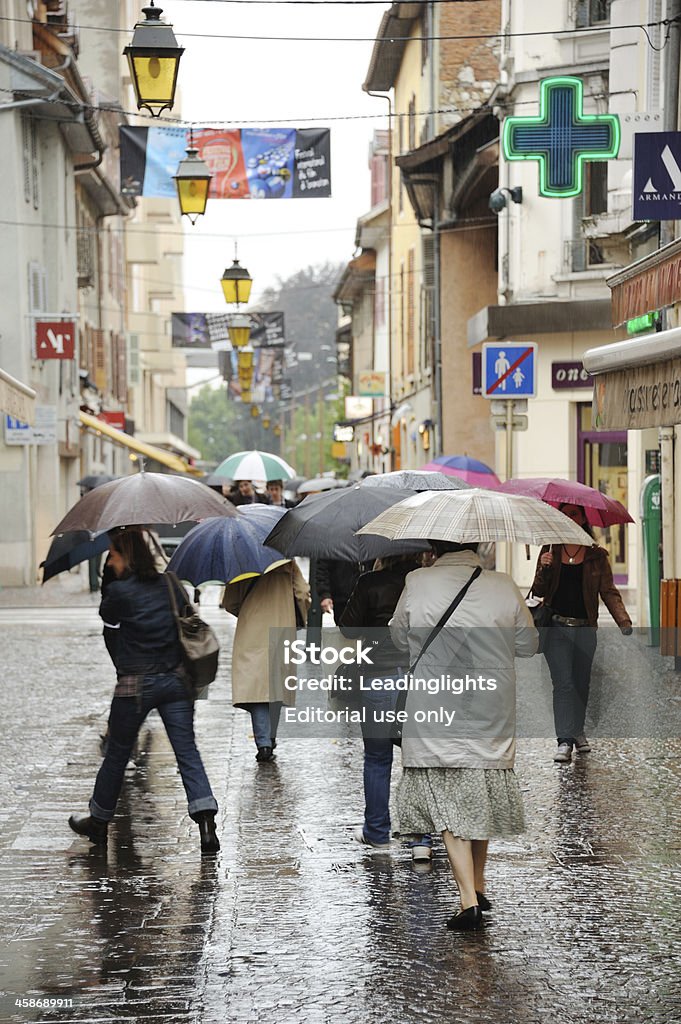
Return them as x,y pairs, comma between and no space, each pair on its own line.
358,407
657,176
643,396
371,384
114,419
43,431
343,432
55,340
569,375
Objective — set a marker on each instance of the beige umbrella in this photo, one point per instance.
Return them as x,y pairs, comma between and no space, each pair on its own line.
471,516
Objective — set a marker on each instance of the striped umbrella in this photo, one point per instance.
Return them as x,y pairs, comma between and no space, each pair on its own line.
467,517
255,465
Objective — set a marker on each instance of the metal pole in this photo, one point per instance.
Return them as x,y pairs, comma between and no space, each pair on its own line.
509,471
672,56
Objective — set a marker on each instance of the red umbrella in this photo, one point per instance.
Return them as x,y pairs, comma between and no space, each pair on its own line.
600,510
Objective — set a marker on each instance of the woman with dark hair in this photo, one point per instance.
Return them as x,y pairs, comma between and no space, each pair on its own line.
570,578
143,642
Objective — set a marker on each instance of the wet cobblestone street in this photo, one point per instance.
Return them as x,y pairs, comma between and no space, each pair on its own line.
292,922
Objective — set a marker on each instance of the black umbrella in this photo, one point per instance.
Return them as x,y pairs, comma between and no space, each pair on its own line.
323,526
71,549
88,483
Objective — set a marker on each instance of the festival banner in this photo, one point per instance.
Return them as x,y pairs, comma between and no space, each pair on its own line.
246,163
202,330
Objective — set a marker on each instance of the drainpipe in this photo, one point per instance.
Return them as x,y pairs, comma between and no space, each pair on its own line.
383,96
667,234
437,322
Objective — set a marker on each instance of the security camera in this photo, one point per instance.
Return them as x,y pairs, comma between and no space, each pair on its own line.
497,201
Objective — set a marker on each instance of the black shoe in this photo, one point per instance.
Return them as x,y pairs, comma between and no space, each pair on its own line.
209,840
483,902
93,828
264,754
468,920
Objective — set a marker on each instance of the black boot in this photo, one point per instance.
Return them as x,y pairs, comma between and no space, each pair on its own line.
93,828
209,839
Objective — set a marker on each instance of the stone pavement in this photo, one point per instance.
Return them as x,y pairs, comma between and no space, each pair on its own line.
292,922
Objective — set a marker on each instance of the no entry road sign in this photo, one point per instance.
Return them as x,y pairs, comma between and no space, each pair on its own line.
509,371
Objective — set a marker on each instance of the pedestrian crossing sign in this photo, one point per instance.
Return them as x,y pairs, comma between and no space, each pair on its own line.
509,370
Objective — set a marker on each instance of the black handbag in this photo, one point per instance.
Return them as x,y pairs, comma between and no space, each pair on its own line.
396,730
542,617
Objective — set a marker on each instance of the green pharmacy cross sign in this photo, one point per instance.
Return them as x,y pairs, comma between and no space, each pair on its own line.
562,138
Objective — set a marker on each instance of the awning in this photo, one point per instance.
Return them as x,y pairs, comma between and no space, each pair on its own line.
560,316
649,284
17,399
139,447
638,382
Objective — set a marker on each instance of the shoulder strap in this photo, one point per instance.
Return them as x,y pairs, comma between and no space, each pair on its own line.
448,613
173,583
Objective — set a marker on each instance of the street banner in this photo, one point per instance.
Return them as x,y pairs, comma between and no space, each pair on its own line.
246,163
202,330
657,176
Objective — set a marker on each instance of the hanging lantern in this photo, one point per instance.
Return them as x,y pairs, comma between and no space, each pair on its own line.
239,329
255,411
266,421
154,59
192,179
276,430
236,283
245,357
246,395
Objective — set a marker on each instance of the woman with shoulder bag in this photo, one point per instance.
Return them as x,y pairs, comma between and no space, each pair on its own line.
571,578
143,642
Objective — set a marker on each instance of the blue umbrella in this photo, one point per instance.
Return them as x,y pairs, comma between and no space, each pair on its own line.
71,549
218,551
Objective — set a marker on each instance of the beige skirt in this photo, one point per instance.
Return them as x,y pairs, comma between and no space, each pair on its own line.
471,803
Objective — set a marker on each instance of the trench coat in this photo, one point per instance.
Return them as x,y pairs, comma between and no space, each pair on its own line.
262,605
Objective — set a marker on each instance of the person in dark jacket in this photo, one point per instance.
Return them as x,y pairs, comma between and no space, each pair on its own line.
244,493
144,645
570,578
334,581
366,615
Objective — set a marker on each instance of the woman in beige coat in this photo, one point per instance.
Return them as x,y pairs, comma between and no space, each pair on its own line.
277,600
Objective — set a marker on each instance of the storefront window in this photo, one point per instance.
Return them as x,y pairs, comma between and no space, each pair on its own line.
602,463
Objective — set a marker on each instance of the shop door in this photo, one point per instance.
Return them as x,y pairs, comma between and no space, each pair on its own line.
602,463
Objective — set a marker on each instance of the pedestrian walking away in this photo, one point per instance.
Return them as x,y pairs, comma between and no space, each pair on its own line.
142,639
366,616
570,578
460,781
276,600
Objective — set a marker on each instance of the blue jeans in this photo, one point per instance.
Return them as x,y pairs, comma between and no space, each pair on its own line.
378,762
265,720
570,651
166,693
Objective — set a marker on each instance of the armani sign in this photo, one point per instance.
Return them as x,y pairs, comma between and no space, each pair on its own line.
657,176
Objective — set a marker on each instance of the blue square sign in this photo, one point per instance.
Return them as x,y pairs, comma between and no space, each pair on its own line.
509,370
656,187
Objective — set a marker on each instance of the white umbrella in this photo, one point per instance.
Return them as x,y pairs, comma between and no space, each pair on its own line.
471,516
416,480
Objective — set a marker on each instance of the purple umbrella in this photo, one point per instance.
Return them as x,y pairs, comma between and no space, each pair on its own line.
600,510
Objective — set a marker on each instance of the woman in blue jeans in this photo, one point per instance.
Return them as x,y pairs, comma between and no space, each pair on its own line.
141,636
366,615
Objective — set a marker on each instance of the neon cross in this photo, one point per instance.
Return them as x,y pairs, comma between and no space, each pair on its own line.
562,138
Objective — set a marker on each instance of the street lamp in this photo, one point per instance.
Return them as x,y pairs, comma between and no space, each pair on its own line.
245,358
154,59
236,283
192,179
266,421
239,329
